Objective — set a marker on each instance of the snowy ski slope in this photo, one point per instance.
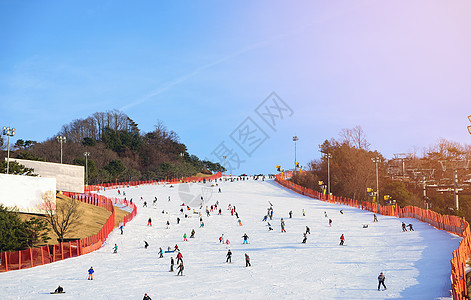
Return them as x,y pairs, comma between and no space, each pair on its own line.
416,264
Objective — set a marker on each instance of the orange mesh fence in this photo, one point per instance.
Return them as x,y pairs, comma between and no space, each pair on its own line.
452,224
28,258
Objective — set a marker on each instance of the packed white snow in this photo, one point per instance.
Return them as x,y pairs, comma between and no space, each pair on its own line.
416,263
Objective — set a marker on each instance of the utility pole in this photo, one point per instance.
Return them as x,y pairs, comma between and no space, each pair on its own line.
328,156
454,166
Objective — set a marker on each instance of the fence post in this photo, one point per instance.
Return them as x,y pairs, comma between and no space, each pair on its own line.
19,260
31,256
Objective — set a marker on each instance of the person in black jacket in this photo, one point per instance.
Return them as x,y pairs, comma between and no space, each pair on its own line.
247,260
381,279
171,264
180,267
229,255
146,297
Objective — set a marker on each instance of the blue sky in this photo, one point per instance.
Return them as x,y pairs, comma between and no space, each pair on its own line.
399,69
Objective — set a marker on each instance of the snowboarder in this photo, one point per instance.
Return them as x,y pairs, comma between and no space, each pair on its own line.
121,228
172,262
304,213
180,267
375,219
290,214
404,227
247,260
330,222
146,244
90,273
308,231
149,222
58,290
184,238
305,238
240,222
192,234
115,248
381,279
229,255
342,240
410,227
146,297
145,204
246,237
282,225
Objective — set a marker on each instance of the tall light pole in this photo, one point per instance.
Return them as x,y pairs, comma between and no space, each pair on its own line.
225,156
86,154
328,156
295,139
8,132
377,160
61,139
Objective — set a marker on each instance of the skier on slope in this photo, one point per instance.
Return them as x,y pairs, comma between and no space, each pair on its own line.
410,227
90,273
149,222
229,256
180,267
381,279
184,238
404,227
192,234
375,219
330,222
247,260
246,237
290,214
161,252
172,262
342,240
146,244
179,258
308,231
282,225
146,297
115,248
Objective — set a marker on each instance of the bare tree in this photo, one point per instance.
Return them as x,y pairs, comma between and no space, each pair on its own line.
355,137
61,216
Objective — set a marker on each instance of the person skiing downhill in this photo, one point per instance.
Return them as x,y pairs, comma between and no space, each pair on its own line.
115,248
192,234
180,267
404,227
229,256
121,228
290,214
342,240
90,273
172,262
146,244
375,219
149,222
304,213
246,237
410,227
184,237
247,260
308,231
330,222
282,225
161,253
381,279
179,258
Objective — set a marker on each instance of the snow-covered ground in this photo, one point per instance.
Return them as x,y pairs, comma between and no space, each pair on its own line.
416,264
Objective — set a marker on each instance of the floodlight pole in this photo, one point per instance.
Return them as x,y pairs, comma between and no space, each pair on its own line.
86,154
61,139
8,132
224,163
376,160
295,139
328,156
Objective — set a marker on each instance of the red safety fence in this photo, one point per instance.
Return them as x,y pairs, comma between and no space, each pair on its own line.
29,258
104,186
452,224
